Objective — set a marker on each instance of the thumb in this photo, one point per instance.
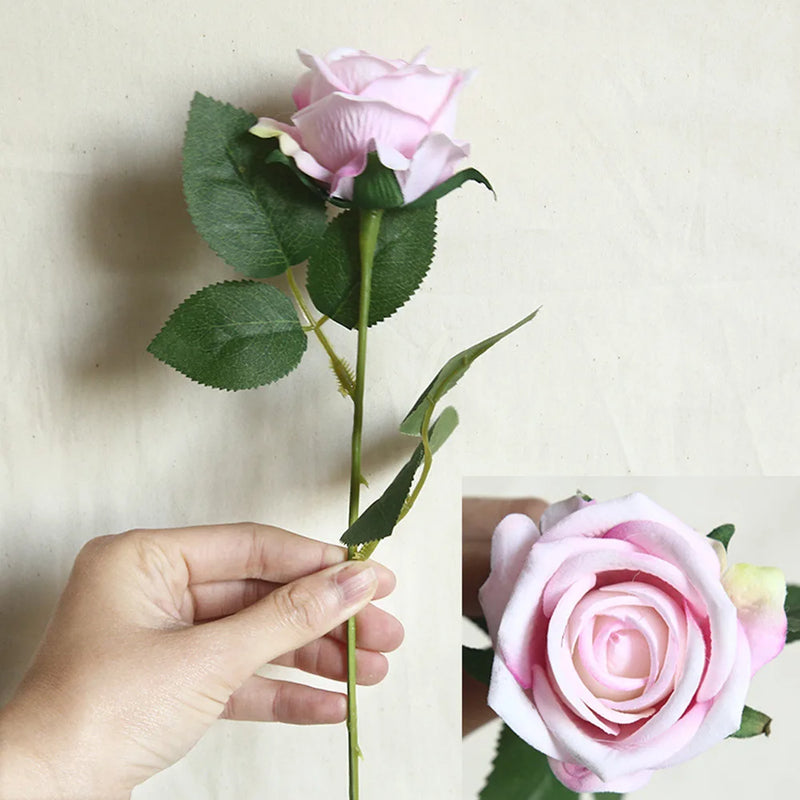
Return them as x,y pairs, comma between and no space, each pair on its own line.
295,614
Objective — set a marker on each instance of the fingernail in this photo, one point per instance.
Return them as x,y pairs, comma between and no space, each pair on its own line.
355,581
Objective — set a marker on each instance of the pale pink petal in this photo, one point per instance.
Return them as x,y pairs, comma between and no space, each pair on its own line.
563,675
321,82
696,558
685,683
434,162
445,118
608,555
415,90
722,715
291,145
759,594
510,702
578,739
360,71
523,616
339,127
342,181
511,542
301,94
594,519
557,511
580,779
391,158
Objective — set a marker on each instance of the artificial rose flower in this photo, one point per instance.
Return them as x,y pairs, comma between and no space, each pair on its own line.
620,648
352,103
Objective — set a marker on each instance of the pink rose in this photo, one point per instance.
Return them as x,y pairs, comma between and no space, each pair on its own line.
622,644
351,104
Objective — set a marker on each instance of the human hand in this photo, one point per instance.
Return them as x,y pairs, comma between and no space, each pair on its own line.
479,518
159,633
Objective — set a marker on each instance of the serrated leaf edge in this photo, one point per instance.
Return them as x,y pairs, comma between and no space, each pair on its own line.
211,385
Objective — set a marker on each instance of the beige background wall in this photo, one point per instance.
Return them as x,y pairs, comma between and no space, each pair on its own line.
645,157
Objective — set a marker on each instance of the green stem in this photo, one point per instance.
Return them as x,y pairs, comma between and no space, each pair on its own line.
367,240
426,466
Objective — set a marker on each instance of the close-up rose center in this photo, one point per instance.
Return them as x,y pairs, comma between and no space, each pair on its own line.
618,644
627,654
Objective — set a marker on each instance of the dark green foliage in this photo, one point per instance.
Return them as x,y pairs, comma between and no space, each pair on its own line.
232,335
723,534
378,520
402,257
754,723
521,773
477,663
258,217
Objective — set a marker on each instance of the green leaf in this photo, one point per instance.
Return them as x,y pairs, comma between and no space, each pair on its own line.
376,186
722,534
232,335
460,178
378,520
792,606
445,424
521,773
258,217
607,796
448,377
403,255
754,723
477,663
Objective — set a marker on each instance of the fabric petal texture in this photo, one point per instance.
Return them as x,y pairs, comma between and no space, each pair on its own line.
351,103
621,647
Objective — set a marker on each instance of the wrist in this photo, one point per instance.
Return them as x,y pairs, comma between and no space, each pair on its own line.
40,759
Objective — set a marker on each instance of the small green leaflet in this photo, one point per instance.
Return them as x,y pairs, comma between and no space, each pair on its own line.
754,723
258,217
232,335
448,377
792,606
477,663
432,195
376,186
722,534
378,520
521,773
402,257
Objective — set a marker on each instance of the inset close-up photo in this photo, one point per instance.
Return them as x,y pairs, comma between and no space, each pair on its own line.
616,636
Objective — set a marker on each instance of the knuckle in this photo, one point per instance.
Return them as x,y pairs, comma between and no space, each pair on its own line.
300,608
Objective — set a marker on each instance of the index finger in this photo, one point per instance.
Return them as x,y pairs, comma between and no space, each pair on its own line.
244,550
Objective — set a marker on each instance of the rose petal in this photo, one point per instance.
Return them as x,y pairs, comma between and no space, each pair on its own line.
291,145
359,71
434,162
595,519
580,779
515,634
510,702
723,714
692,553
554,513
339,127
416,90
511,542
759,594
